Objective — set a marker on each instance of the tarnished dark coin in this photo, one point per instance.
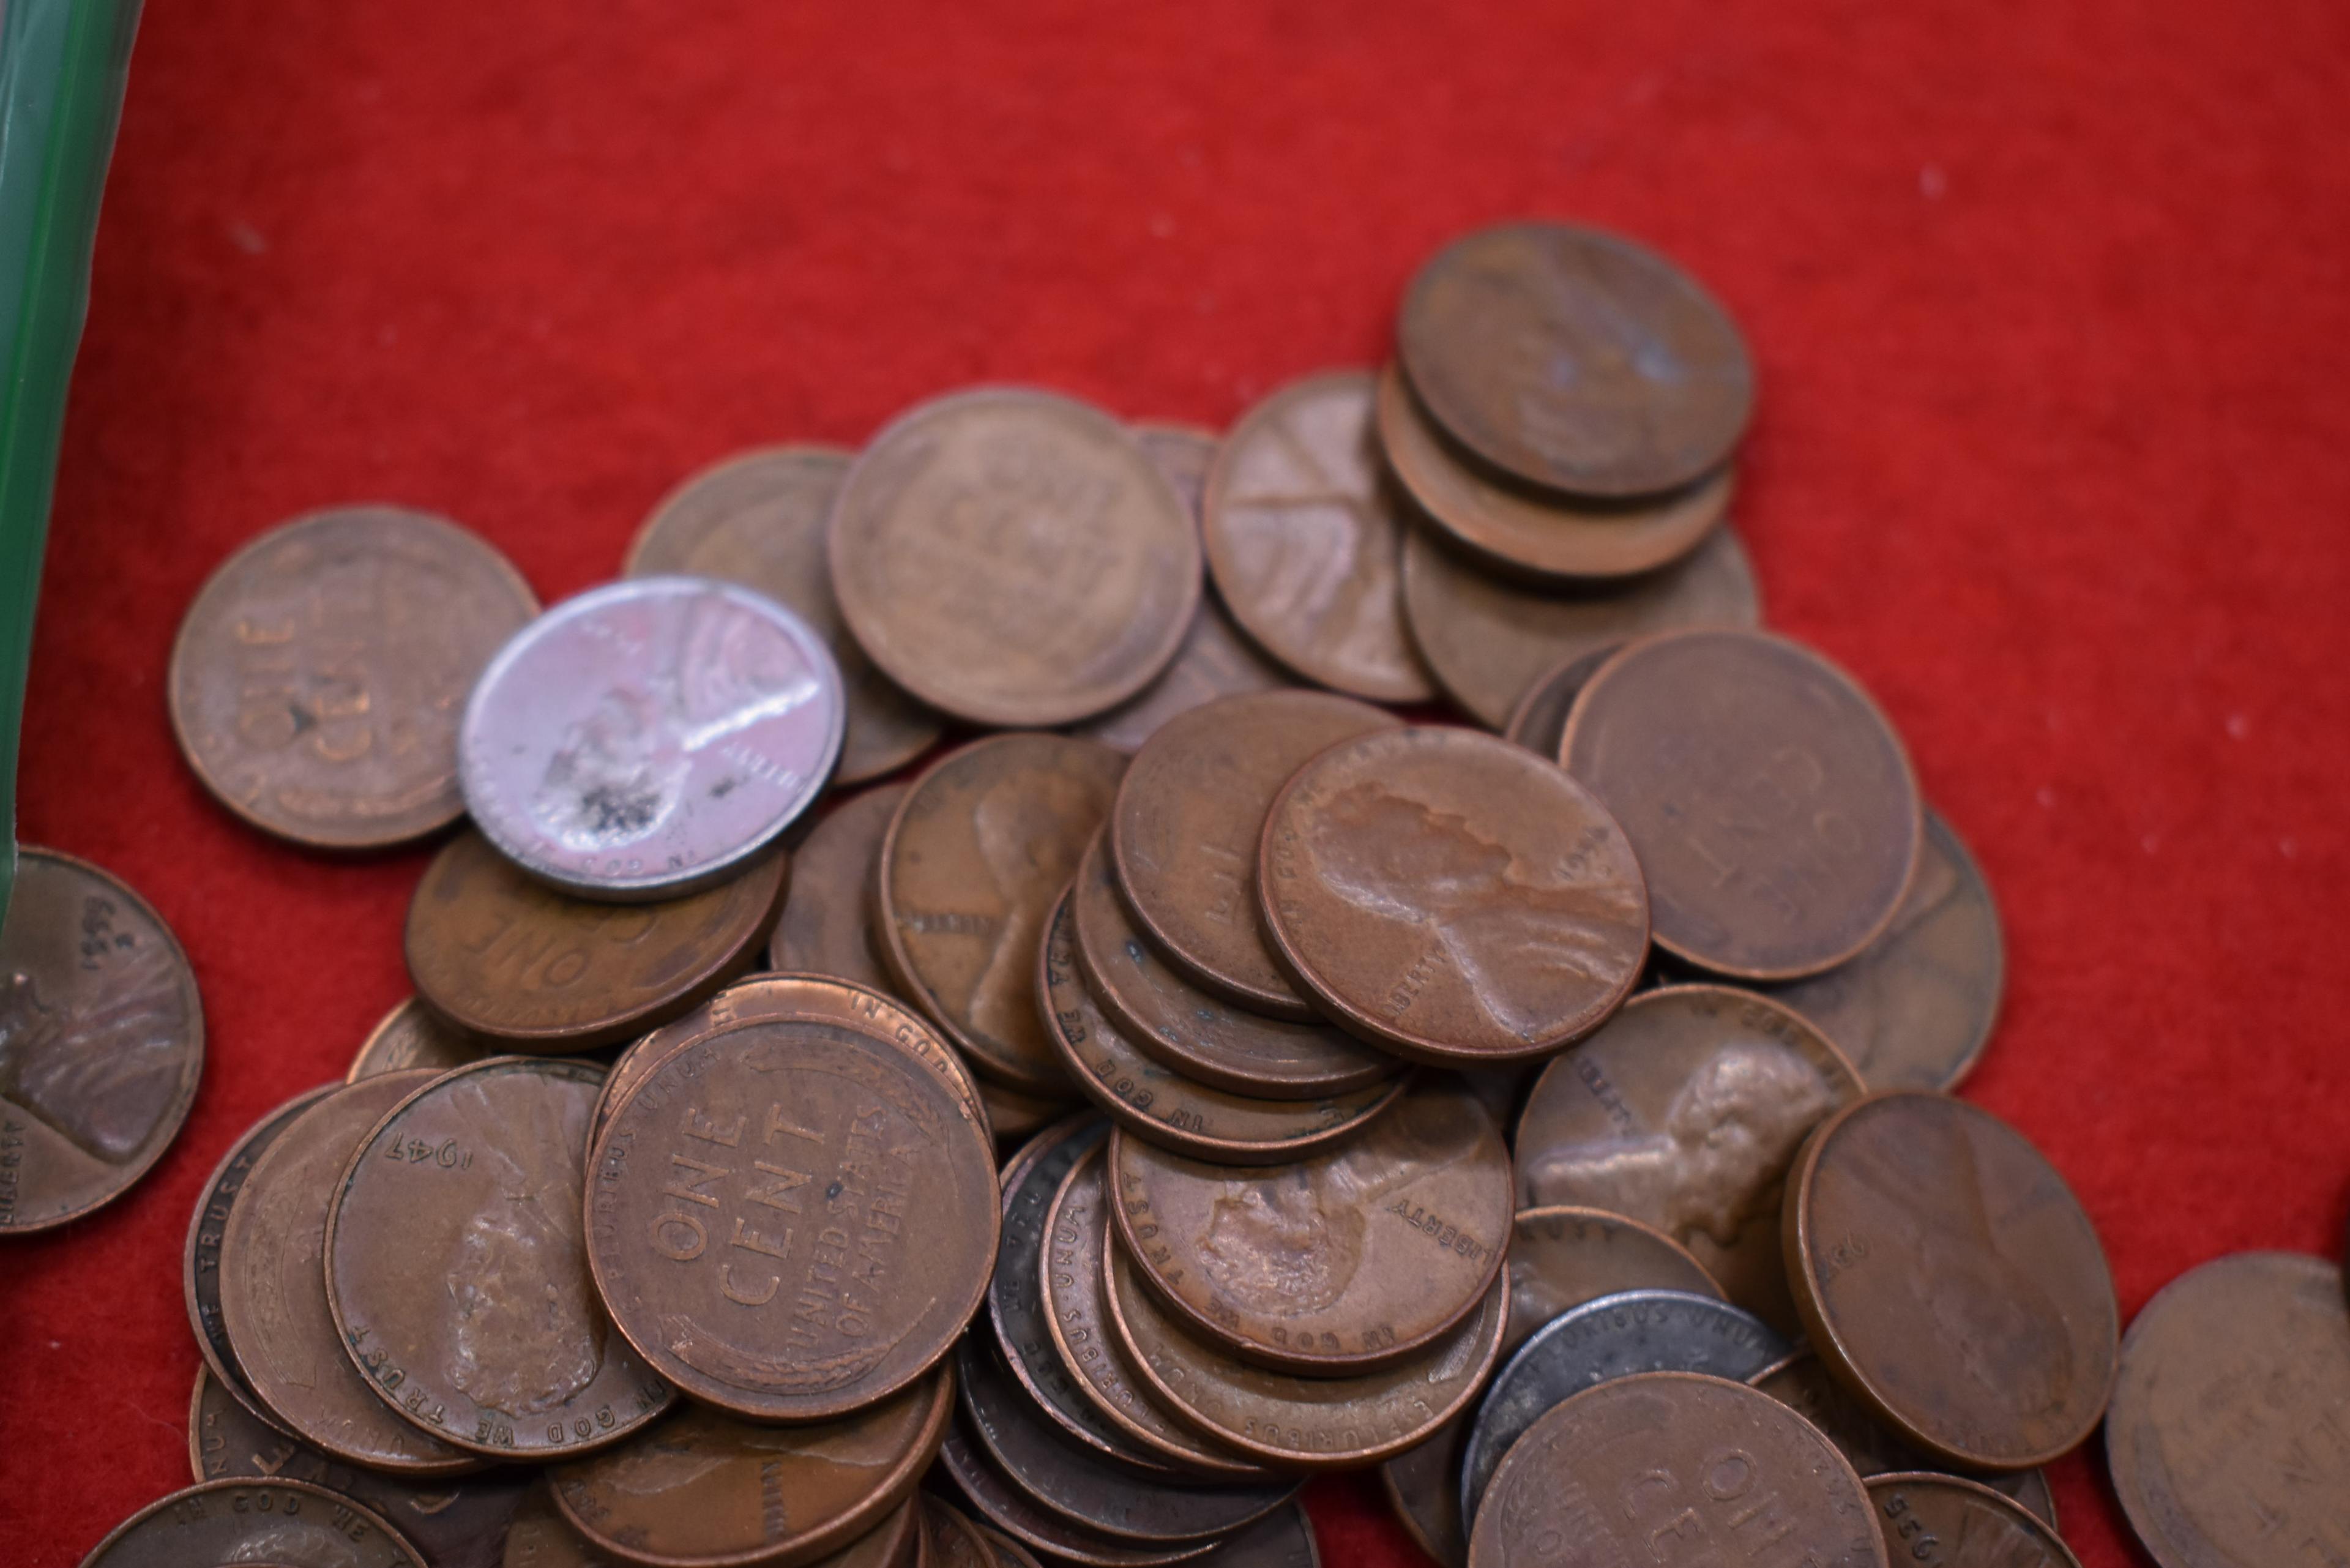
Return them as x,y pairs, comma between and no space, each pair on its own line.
1281,1539
268,1523
1194,1032
1165,1107
1489,639
826,926
1303,526
412,1035
1301,1423
1949,1278
1684,1113
1606,1338
758,519
1453,896
1355,1259
503,1347
792,1218
952,1540
1215,661
981,846
101,1042
1013,557
1013,1512
1914,1009
2225,1436
506,957
651,737
1773,806
1674,1462
1008,1554
1542,534
319,677
273,1290
1574,358
538,1537
1938,1520
455,1523
1539,720
702,1489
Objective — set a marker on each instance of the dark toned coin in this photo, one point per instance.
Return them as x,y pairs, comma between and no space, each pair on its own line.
538,1537
758,519
1303,525
319,677
1684,1113
1939,1520
277,1523
1773,806
1351,1260
793,1217
1013,1512
1542,534
981,846
1915,1008
1192,1031
1489,638
1281,1539
412,1035
1184,832
1949,1278
1215,661
1167,1108
1008,1554
507,958
273,1293
1665,1462
1539,720
827,926
2225,1438
101,1042
1452,897
702,1489
1608,1337
1573,358
503,1348
954,1542
1011,1114
1013,557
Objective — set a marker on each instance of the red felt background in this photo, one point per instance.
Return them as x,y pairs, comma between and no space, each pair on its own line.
2051,304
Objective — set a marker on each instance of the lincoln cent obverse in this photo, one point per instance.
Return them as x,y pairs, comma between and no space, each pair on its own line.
273,1523
1941,1519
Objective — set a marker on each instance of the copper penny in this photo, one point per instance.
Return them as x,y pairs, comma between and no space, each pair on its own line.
1540,533
1674,1462
1017,1514
1773,806
1214,661
1008,1554
702,1489
273,1291
1539,720
1281,1539
981,846
1011,1114
827,926
1168,1109
2225,1438
758,519
101,1042
319,677
1301,1423
412,1035
503,1348
953,1539
504,957
280,1523
1684,1113
793,1217
1303,526
455,1523
1077,1316
1190,1030
1183,455
1453,896
1915,1008
1013,557
538,1538
1948,1277
1574,358
1184,834
1944,1522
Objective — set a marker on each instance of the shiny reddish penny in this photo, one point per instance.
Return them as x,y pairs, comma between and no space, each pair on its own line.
826,926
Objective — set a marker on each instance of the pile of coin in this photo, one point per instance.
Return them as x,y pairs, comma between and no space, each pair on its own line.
1554,1114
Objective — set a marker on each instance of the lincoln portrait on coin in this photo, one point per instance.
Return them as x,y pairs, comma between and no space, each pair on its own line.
104,1075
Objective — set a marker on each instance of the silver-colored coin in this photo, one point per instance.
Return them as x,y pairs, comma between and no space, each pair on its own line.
648,737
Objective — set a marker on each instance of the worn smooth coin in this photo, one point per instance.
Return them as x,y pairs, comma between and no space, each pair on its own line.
1943,1519
274,1522
318,680
1281,1539
1539,719
1303,526
651,737
981,846
503,955
1951,1279
1020,1516
1214,661
758,519
412,1035
1453,896
826,926
953,1541
1014,558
